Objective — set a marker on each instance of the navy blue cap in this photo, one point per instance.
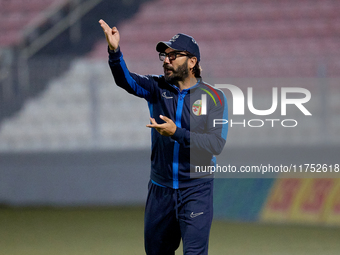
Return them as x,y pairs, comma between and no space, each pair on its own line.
181,42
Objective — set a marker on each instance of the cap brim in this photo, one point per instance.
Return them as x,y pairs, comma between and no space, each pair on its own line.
162,46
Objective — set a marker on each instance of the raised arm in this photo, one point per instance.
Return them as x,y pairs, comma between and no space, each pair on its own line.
138,85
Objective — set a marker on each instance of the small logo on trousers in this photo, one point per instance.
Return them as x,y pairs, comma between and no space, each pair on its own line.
193,215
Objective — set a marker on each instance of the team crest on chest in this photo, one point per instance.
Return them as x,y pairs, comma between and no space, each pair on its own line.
197,107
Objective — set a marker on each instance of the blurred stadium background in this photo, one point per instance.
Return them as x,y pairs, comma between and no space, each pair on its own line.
74,150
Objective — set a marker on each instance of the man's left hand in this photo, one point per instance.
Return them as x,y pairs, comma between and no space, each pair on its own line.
167,129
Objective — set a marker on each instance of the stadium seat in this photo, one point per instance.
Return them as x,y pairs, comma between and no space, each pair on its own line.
16,14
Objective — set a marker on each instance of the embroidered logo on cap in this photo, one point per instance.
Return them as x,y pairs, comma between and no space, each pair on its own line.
174,38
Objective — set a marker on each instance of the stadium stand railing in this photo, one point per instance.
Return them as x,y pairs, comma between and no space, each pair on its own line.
26,28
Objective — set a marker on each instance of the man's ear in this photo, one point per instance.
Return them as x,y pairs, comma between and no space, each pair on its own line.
192,62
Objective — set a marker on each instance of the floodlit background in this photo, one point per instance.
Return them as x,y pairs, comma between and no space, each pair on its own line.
75,152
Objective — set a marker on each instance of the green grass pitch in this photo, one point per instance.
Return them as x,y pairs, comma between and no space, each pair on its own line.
119,231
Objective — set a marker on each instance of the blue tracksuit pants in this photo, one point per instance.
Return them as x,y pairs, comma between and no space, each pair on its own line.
172,214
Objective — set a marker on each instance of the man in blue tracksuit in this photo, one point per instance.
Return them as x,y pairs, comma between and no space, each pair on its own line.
182,113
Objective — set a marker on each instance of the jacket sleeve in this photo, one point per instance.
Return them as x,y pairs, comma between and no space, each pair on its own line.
214,138
138,85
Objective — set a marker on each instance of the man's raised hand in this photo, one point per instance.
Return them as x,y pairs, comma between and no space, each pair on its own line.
111,34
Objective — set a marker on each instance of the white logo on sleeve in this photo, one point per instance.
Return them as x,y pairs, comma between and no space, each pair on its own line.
193,215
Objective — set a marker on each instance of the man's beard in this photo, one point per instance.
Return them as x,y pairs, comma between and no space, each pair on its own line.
180,74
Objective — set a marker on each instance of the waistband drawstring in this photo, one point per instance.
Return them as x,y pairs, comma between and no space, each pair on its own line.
178,196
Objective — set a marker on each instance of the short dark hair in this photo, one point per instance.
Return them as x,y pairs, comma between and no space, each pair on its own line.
196,70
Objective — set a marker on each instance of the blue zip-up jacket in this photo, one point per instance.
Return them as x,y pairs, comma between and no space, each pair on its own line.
196,140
